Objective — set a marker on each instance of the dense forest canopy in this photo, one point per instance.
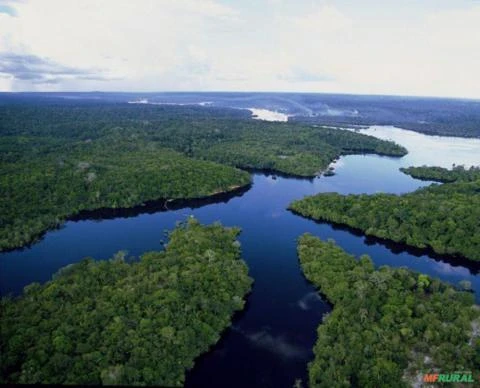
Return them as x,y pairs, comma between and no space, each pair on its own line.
433,116
110,173
58,157
443,217
195,131
388,326
440,174
126,322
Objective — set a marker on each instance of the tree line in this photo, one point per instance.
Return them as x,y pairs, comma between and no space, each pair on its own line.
440,174
388,326
59,158
125,321
443,217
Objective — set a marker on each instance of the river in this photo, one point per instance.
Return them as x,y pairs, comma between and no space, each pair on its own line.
270,342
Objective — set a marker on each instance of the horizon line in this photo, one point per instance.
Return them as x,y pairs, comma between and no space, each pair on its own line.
238,92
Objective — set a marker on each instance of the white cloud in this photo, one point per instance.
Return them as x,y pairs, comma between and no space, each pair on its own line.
324,20
138,41
271,45
432,54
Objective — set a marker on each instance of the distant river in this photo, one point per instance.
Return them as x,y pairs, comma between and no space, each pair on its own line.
270,342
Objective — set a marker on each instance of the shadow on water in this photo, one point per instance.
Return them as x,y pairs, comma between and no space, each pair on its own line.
218,349
260,355
398,248
148,207
159,205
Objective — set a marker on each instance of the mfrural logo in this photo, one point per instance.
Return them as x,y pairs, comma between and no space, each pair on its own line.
455,377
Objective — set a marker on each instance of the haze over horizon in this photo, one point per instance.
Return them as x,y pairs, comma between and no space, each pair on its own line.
427,49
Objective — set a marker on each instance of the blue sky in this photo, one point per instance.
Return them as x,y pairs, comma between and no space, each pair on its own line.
370,47
8,10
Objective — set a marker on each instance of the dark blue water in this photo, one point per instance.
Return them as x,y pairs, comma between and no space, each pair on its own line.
270,342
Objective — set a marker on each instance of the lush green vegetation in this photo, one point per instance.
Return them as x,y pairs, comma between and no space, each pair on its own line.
197,132
294,150
440,174
442,217
59,158
42,192
388,326
124,322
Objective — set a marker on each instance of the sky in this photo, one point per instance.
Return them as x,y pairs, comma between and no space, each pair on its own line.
408,47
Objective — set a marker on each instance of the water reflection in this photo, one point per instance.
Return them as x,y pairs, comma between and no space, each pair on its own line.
430,150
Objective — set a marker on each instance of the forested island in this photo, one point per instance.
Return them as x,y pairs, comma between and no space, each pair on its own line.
388,326
440,174
443,217
61,157
125,321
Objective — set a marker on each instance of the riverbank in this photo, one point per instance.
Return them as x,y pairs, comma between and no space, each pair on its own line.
150,207
397,247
